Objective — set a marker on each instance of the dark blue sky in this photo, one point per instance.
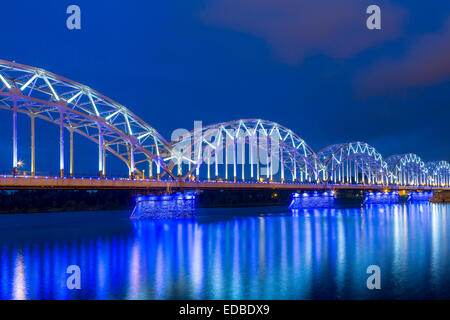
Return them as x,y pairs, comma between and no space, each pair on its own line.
311,66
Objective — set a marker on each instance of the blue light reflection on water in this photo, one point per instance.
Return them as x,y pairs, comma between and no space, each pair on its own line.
252,253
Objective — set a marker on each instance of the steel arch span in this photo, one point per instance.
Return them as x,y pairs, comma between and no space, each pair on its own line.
246,149
82,110
407,169
354,162
241,150
439,173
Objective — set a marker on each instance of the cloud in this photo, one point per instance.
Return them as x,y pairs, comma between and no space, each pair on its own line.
296,29
427,62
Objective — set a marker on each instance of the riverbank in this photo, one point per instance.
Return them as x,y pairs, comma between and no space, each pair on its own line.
441,197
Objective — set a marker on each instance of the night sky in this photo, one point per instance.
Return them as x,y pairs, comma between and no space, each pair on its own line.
312,66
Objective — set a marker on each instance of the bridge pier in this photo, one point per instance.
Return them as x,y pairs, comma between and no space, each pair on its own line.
171,206
312,200
381,198
415,196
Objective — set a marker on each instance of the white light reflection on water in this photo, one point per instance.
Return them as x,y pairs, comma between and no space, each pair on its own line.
19,291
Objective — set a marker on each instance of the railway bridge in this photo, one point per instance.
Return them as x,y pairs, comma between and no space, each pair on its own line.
241,154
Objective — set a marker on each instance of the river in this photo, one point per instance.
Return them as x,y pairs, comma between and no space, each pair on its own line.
232,253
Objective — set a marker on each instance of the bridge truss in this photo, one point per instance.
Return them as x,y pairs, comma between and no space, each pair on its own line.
354,162
408,169
247,150
250,149
78,109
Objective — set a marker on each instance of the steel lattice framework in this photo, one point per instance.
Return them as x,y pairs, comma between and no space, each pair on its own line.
80,109
407,169
256,140
247,149
439,173
354,162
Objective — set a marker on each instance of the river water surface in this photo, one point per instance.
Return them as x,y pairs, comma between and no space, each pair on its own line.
237,253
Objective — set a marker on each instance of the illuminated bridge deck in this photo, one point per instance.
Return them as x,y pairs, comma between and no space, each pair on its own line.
13,183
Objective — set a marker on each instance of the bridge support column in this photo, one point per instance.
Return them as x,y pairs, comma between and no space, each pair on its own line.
33,168
100,152
15,170
216,164
226,161
234,160
294,177
252,142
131,161
104,159
150,169
272,160
281,164
71,153
61,145
158,169
243,160
179,167
348,172
257,159
197,171
268,158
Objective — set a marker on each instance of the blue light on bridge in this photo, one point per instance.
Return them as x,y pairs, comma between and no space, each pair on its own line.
312,200
420,196
170,206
